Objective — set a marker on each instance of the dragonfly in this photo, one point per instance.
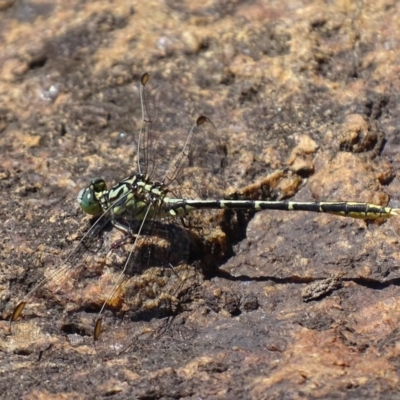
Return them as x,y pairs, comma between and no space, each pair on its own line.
173,153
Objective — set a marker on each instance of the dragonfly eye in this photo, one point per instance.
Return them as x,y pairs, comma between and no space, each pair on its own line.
88,200
98,185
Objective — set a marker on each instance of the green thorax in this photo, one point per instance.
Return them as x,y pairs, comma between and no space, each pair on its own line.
134,197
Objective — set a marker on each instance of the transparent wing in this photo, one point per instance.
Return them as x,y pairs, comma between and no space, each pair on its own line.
61,281
139,287
169,140
199,171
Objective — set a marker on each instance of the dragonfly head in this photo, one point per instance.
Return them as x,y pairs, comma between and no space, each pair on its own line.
89,198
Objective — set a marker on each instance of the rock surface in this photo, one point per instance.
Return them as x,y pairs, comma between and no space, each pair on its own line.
275,305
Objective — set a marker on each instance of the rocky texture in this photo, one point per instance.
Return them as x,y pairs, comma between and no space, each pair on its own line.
305,96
